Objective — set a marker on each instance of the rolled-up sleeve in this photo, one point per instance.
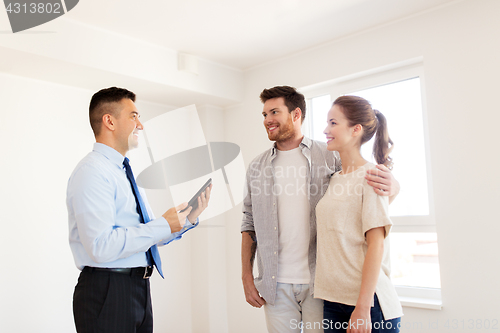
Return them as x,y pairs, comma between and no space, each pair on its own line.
247,222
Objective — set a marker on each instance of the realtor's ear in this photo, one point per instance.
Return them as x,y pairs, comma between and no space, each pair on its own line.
108,121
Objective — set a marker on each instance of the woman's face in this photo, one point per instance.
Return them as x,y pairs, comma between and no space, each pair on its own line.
338,133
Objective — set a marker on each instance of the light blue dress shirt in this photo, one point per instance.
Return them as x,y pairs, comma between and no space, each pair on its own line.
104,226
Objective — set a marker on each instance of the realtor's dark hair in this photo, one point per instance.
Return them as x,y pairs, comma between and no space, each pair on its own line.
101,104
293,99
358,110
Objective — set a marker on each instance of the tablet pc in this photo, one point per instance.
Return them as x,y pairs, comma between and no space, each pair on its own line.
194,200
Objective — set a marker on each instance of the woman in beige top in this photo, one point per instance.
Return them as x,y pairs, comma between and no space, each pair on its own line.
353,268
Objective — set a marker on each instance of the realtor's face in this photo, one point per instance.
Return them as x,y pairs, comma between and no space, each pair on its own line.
128,125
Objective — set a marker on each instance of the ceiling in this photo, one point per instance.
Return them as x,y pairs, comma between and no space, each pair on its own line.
243,34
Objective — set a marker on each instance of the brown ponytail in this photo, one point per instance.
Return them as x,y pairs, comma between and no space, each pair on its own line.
383,144
358,110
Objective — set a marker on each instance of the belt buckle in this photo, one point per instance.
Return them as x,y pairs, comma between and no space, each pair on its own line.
146,271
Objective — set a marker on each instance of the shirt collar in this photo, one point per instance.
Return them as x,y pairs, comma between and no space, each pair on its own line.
305,143
110,153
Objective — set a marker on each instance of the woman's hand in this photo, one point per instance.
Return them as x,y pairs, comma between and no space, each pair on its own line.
360,317
360,321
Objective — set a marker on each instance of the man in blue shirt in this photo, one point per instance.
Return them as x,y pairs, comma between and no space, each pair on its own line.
111,234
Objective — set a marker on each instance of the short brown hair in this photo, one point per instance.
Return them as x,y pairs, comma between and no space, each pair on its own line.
293,99
100,105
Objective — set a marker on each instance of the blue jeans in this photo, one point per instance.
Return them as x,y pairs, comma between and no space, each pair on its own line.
336,318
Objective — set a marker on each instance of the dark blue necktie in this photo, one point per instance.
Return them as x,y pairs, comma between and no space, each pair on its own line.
152,254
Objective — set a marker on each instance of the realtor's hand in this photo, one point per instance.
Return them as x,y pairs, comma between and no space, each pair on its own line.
202,204
175,218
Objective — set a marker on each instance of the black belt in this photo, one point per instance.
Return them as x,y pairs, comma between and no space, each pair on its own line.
145,272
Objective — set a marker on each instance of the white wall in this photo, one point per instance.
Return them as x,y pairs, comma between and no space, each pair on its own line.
45,132
460,50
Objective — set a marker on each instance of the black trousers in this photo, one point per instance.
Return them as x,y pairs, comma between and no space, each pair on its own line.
110,302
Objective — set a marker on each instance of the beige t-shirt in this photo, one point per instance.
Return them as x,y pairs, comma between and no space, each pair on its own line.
350,208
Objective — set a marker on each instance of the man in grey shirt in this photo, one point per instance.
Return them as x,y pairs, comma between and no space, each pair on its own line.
284,184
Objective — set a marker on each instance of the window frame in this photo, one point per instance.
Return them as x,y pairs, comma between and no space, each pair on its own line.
374,78
428,298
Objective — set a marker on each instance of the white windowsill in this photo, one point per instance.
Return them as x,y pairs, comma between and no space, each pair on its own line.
422,298
422,303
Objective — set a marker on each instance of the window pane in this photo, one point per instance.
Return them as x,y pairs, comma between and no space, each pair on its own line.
414,260
414,256
400,102
319,111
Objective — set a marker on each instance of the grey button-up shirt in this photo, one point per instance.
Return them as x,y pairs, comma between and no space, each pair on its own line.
260,213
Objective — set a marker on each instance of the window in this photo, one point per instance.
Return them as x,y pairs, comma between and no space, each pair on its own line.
397,93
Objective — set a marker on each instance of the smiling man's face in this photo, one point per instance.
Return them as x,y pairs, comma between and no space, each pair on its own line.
278,120
127,126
